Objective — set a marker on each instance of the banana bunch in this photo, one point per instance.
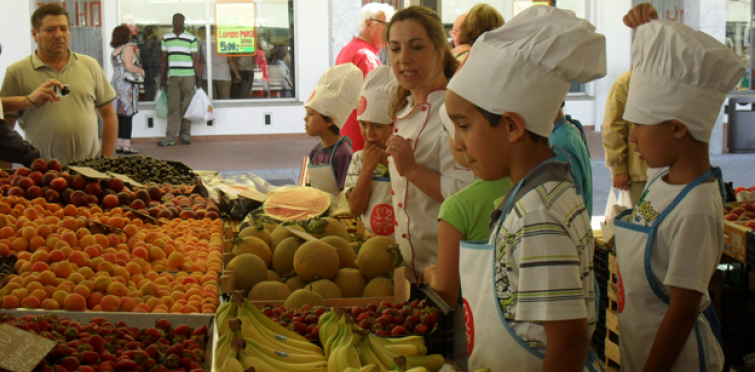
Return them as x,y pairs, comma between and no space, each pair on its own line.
226,353
258,327
343,351
411,349
228,311
369,368
263,360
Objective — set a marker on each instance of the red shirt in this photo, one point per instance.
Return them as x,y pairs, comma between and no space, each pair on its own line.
365,56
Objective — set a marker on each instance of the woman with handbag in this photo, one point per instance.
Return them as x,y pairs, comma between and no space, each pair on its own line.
127,75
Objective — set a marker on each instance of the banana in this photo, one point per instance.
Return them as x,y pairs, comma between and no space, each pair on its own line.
432,362
328,325
250,356
335,336
367,356
367,368
402,340
232,365
483,370
270,324
349,357
411,349
226,312
417,369
224,350
251,328
285,356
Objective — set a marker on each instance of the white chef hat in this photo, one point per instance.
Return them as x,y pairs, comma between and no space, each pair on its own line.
527,65
337,92
682,74
448,125
377,91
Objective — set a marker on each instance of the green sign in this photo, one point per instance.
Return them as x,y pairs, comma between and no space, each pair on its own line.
235,29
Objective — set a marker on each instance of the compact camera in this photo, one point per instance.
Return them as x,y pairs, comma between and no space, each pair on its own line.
61,92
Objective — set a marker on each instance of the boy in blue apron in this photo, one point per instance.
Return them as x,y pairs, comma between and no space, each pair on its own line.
569,142
331,103
368,177
528,293
669,244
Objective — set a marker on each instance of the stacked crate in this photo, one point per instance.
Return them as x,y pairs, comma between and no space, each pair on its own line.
612,353
600,265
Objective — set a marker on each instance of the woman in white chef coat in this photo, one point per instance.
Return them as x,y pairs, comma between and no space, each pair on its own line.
423,170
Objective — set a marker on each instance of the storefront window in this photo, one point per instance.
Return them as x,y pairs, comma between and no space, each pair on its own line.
738,32
85,25
267,75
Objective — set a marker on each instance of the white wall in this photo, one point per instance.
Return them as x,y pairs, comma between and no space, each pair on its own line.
15,21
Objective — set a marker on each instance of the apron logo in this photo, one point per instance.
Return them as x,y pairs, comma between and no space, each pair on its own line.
361,106
469,325
620,290
381,219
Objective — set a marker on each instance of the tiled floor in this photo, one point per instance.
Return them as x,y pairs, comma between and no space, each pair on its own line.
280,160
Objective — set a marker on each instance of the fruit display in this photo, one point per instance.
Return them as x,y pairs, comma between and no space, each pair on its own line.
743,212
143,169
100,345
296,203
282,266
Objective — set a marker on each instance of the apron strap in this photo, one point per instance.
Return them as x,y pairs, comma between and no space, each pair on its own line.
558,150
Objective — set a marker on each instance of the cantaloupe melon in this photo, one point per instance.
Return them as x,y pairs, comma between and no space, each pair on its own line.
321,227
269,291
351,282
378,257
316,260
272,275
325,288
255,246
248,270
298,203
293,283
379,287
257,230
301,297
283,258
346,254
281,233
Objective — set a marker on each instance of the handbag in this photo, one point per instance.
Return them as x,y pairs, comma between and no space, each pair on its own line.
132,77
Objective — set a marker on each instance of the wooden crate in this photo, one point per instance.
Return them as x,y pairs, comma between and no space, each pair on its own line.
613,352
612,321
401,292
735,240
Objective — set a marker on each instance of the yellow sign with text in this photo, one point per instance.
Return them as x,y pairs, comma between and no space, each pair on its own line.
235,29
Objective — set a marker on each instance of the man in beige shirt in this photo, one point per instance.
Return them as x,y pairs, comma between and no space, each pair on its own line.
628,170
66,130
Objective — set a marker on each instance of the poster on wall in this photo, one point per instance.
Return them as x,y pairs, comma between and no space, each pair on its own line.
235,29
521,5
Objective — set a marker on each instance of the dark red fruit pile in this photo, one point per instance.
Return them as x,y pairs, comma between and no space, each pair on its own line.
101,346
386,319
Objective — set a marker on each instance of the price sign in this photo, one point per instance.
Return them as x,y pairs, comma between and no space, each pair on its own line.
21,351
235,29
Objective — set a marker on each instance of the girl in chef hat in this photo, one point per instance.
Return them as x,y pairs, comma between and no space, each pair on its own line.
331,103
368,176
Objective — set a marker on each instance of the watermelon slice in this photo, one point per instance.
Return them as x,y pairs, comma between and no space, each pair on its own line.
297,203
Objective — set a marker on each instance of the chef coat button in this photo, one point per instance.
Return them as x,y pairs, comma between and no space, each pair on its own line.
403,236
392,192
423,108
400,205
395,223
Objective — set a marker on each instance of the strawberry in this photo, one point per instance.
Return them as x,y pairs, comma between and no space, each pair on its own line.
159,368
121,324
75,344
99,321
126,365
107,366
153,351
421,329
86,369
43,325
133,345
92,328
60,368
163,324
201,331
187,344
399,331
89,357
70,363
59,351
119,333
86,347
97,342
153,333
186,362
47,369
106,356
176,350
128,338
164,341
71,333
22,326
183,330
172,361
141,357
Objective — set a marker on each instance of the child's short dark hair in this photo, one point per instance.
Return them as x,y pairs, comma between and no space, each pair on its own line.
333,128
495,119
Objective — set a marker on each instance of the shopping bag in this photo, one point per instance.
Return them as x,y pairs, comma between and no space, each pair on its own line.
617,203
200,108
161,104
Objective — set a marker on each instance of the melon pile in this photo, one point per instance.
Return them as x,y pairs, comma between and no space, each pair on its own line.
272,264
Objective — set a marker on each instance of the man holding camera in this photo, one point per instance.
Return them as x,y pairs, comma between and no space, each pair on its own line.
66,130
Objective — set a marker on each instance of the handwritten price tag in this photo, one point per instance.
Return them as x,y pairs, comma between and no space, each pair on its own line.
21,351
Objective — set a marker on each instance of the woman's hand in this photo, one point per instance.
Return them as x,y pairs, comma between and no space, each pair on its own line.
402,154
640,14
45,92
373,154
428,275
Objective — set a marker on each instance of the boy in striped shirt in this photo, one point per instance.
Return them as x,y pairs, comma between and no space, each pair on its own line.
182,73
529,293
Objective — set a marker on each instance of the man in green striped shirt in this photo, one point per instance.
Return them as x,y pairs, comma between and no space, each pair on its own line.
183,72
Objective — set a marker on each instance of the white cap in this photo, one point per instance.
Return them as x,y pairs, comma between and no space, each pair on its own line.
377,91
682,74
337,92
527,65
448,125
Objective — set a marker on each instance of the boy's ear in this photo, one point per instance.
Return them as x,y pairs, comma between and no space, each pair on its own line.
514,126
680,129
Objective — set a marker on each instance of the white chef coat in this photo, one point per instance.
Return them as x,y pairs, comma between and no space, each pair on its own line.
417,213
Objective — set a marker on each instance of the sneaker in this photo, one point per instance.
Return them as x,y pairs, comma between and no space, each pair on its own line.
165,142
186,141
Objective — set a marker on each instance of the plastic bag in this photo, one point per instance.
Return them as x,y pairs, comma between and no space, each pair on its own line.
623,201
200,108
161,104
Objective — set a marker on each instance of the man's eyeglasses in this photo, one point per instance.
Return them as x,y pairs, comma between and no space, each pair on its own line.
384,23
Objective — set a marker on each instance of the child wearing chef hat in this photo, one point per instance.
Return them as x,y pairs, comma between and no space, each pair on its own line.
669,244
368,177
331,103
530,288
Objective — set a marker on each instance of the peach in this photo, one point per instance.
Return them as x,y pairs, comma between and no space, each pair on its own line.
94,299
50,304
105,266
75,302
127,304
101,284
86,272
144,307
39,267
176,259
155,253
78,258
10,302
31,302
47,278
41,294
117,289
149,289
83,290
63,269
154,302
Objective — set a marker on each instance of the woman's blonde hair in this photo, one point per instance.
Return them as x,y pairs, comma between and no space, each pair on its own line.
480,19
434,27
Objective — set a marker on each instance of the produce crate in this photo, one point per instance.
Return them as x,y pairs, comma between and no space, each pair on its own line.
751,252
401,291
613,352
736,241
441,339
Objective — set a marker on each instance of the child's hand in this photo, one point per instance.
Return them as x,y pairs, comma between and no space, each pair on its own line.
402,153
372,157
